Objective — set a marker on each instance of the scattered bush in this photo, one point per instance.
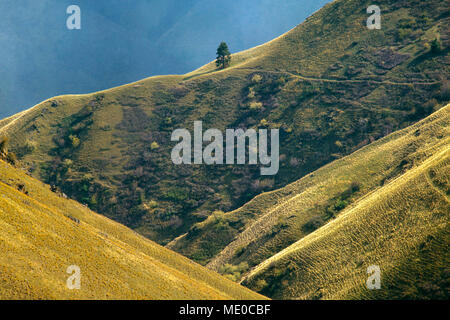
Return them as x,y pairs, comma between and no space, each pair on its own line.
340,205
264,123
154,145
312,225
219,221
293,162
68,163
176,194
233,272
75,141
355,186
153,204
260,285
240,251
281,225
21,187
27,148
256,78
435,46
251,93
255,105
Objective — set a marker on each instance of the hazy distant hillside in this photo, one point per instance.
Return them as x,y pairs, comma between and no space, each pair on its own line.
42,234
330,85
124,41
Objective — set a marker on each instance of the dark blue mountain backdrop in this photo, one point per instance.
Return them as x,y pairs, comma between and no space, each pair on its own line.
122,41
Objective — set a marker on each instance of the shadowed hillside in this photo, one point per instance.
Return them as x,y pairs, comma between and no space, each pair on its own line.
42,234
330,85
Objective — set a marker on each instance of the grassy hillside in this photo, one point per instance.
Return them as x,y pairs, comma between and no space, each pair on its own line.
42,234
330,85
386,204
403,227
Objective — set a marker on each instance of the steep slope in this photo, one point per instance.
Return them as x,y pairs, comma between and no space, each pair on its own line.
330,85
386,204
403,228
42,234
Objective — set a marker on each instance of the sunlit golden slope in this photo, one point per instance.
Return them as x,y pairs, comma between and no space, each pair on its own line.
402,227
42,234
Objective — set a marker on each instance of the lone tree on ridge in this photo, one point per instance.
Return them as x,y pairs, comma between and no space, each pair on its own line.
223,56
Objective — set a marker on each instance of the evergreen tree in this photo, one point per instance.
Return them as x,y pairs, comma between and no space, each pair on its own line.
223,56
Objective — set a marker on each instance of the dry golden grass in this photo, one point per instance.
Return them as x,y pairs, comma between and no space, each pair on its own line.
403,226
40,238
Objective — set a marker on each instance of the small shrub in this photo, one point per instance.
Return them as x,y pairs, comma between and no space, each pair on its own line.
168,122
75,141
68,163
154,145
240,251
256,78
153,204
11,158
233,272
264,123
355,186
176,194
312,225
21,187
260,285
281,225
435,46
329,212
255,105
218,216
340,205
251,93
